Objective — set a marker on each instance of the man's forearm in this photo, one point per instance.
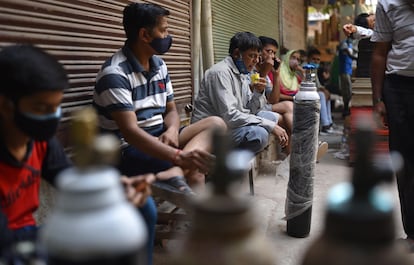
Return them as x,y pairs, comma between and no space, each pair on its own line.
274,96
171,118
378,67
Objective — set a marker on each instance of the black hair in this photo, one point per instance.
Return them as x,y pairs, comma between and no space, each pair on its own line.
26,70
268,41
137,16
302,53
361,20
313,51
244,41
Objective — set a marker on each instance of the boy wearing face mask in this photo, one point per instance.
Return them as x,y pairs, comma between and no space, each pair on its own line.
31,91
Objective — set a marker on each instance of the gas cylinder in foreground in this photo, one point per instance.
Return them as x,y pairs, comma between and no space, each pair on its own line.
224,229
359,226
92,222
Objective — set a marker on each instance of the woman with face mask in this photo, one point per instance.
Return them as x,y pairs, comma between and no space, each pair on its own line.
289,80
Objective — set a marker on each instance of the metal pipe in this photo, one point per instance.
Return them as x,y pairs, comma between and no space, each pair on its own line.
207,34
196,44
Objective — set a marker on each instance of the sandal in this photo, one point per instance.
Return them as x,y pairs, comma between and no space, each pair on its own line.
175,184
322,149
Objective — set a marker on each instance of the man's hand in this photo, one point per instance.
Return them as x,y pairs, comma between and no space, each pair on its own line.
276,68
260,85
265,66
349,29
380,113
195,159
281,135
326,92
138,188
170,137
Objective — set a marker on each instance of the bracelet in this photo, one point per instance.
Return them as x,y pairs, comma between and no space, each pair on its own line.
377,100
177,154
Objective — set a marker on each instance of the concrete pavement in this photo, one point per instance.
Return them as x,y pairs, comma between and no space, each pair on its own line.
269,203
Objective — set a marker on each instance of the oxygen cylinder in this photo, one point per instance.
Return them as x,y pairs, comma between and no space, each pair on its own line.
304,143
359,225
92,222
224,228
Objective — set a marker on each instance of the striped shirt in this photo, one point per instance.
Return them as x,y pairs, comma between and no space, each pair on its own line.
394,23
123,85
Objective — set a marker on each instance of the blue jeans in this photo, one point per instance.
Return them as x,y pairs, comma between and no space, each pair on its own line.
131,167
253,137
326,115
149,212
134,162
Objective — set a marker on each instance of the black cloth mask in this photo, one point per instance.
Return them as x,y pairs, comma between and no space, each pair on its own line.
39,127
161,45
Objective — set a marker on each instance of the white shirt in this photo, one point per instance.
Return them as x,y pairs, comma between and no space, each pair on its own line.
362,33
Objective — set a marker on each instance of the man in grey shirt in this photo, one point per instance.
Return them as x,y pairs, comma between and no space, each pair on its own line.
393,93
227,91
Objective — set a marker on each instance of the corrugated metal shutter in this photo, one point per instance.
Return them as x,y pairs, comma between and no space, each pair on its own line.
83,33
260,17
294,24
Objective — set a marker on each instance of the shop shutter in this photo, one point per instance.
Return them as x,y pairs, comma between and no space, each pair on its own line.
260,17
294,24
83,33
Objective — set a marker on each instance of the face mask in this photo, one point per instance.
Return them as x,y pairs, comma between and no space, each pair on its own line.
241,66
293,63
314,64
161,45
39,127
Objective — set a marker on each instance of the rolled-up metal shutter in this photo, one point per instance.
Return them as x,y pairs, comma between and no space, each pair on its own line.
83,33
260,17
294,24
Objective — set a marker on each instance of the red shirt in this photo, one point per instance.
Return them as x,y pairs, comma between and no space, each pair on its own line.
19,187
20,181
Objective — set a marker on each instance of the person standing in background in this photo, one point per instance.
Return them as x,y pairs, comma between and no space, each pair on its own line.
346,55
362,31
392,77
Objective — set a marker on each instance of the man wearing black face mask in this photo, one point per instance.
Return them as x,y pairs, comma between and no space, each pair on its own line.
135,101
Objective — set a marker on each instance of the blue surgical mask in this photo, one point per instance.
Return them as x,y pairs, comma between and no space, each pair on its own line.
39,127
161,45
241,66
314,64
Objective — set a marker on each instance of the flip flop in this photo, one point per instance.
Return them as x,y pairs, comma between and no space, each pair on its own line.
175,184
